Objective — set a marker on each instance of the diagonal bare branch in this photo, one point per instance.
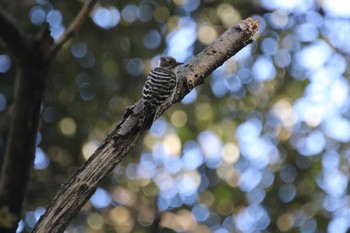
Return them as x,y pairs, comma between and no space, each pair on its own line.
73,27
77,190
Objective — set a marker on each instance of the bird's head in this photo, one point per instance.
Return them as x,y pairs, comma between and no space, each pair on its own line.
169,63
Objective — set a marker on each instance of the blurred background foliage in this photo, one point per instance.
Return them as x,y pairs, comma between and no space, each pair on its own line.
262,146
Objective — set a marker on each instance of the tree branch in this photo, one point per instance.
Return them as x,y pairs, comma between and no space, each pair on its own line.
73,27
77,190
14,38
213,56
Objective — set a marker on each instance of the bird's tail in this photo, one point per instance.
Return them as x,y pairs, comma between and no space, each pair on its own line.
149,114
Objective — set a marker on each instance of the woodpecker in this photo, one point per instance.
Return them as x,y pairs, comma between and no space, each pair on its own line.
159,88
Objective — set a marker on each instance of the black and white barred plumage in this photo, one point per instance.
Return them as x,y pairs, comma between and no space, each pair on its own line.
159,88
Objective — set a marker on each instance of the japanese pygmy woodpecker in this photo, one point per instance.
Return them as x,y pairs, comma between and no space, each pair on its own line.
159,88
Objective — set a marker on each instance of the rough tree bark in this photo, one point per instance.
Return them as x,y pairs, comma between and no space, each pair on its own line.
77,190
32,55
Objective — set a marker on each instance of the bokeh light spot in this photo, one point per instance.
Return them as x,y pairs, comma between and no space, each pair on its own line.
106,17
285,222
79,49
263,69
206,34
228,14
152,39
230,153
5,63
190,97
67,126
173,144
54,18
95,221
37,15
135,66
130,13
89,148
200,212
101,199
179,118
41,160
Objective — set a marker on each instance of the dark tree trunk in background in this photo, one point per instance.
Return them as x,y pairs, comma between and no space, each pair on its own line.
32,57
31,72
20,146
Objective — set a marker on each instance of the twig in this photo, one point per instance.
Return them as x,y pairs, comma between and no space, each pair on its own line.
73,27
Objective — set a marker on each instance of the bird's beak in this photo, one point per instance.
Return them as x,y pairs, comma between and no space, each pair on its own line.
175,65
